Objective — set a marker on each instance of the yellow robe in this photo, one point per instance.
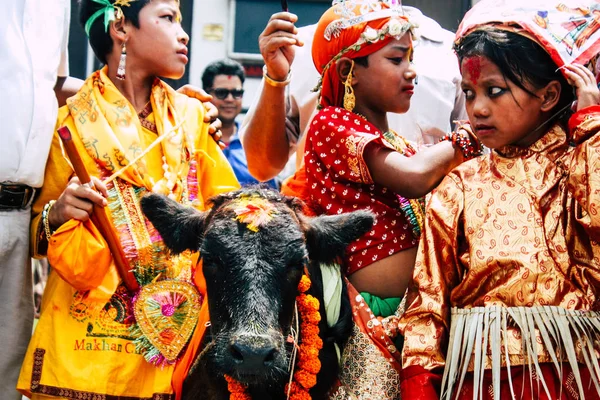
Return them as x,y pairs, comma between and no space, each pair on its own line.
81,345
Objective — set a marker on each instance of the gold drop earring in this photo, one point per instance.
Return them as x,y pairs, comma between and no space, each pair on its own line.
349,97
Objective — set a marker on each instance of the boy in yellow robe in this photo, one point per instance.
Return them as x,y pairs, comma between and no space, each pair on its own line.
135,135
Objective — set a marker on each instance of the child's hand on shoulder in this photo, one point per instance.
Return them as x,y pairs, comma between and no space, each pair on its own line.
585,85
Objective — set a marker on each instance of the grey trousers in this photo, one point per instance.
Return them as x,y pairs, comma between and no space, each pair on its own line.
16,298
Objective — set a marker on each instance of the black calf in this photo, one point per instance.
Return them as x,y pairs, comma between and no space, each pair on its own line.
252,274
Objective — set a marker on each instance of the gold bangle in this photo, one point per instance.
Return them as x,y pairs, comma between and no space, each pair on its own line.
273,82
45,219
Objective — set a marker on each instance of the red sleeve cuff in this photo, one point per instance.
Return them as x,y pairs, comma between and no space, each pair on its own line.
417,383
580,116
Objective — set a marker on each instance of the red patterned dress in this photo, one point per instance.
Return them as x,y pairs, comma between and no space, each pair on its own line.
339,181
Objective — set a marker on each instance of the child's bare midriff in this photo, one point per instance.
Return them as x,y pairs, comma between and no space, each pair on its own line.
388,277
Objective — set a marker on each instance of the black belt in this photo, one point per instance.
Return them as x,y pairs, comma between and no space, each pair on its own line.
15,196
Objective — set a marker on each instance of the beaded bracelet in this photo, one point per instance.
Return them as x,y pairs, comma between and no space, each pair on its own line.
275,83
467,143
45,221
413,212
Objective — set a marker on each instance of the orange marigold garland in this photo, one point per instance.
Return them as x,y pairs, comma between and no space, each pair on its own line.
237,391
309,364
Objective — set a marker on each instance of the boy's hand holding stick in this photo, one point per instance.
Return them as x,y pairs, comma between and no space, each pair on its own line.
99,216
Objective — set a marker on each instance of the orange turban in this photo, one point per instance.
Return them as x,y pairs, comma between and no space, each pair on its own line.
353,29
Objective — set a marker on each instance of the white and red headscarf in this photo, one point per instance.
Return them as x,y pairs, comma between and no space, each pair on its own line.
569,30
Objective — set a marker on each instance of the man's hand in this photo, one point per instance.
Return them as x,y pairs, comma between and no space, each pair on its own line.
277,43
211,115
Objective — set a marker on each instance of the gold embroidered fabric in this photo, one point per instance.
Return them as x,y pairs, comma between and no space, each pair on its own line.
519,229
370,367
364,373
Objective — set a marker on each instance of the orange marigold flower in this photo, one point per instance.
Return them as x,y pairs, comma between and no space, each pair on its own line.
300,396
305,379
312,365
304,284
301,300
295,388
233,385
312,318
308,352
316,342
319,342
237,390
309,330
311,303
310,338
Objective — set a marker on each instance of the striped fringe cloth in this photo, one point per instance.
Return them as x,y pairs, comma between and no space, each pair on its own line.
480,330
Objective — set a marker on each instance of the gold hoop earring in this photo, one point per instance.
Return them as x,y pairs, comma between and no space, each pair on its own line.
349,97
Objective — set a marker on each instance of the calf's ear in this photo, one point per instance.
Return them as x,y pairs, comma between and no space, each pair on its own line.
181,227
327,236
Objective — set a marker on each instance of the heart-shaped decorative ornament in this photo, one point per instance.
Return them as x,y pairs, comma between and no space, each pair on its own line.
166,313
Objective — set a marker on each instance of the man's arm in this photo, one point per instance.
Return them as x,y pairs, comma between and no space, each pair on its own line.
263,133
65,87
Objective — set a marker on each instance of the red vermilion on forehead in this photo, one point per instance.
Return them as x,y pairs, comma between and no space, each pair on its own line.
473,66
229,77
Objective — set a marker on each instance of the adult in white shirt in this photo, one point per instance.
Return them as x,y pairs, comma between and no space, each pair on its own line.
278,118
33,64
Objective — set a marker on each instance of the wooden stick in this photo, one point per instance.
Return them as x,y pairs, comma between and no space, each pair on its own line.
99,216
284,5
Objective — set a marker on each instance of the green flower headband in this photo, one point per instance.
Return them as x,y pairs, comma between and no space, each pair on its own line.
110,12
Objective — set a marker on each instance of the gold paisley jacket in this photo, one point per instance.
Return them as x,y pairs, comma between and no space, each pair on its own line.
515,228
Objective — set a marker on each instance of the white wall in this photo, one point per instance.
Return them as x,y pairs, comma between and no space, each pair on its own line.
205,51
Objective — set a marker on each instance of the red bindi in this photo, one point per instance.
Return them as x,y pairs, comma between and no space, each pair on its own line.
473,66
229,77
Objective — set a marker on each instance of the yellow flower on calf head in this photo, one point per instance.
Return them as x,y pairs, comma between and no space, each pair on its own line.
254,211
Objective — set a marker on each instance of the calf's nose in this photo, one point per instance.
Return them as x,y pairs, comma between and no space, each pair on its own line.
249,356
